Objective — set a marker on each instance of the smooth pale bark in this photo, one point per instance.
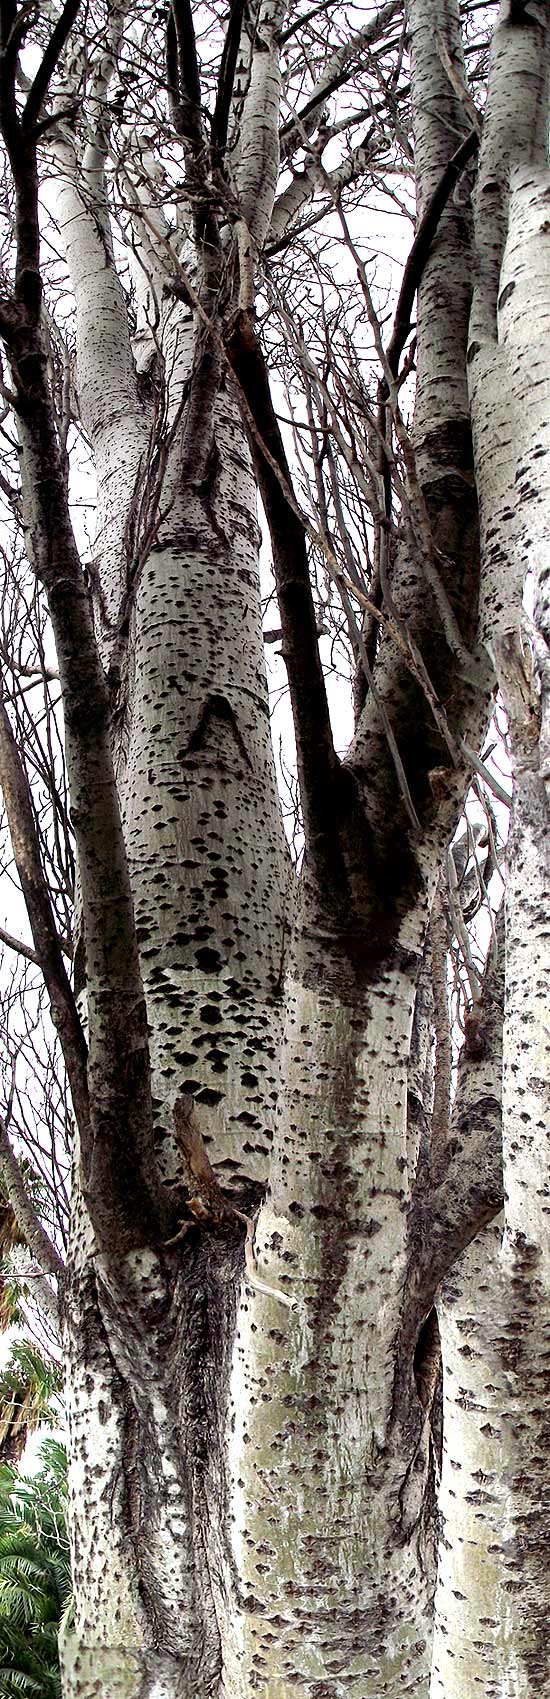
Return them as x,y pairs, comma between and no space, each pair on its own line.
209,865
493,1600
445,291
515,509
258,162
525,1088
511,409
507,368
473,1629
326,1540
108,402
199,793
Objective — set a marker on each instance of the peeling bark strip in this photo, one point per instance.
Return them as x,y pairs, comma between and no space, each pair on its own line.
278,1212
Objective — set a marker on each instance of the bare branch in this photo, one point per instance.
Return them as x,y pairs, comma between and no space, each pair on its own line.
480,767
336,72
24,1210
20,948
443,1059
461,931
42,79
24,837
226,78
182,75
416,261
318,764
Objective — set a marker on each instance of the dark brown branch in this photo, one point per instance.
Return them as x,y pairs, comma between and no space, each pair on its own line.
318,764
13,28
416,262
226,78
19,947
184,95
39,88
22,158
182,75
54,118
118,1165
304,18
26,849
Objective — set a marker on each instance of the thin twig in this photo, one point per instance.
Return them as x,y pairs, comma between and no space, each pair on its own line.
461,931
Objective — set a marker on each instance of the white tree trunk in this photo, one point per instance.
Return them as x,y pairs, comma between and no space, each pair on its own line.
326,1538
492,1600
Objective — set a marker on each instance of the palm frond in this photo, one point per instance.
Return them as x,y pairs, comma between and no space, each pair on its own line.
10,1311
35,1579
28,1383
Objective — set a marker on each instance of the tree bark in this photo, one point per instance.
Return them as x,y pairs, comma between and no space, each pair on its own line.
264,1217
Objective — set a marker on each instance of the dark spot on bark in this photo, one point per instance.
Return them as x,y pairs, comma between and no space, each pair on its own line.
208,960
505,295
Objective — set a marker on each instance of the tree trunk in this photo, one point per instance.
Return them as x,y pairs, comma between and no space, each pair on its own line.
270,1192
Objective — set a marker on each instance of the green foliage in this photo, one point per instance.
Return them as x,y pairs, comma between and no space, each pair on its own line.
28,1383
35,1577
11,1314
